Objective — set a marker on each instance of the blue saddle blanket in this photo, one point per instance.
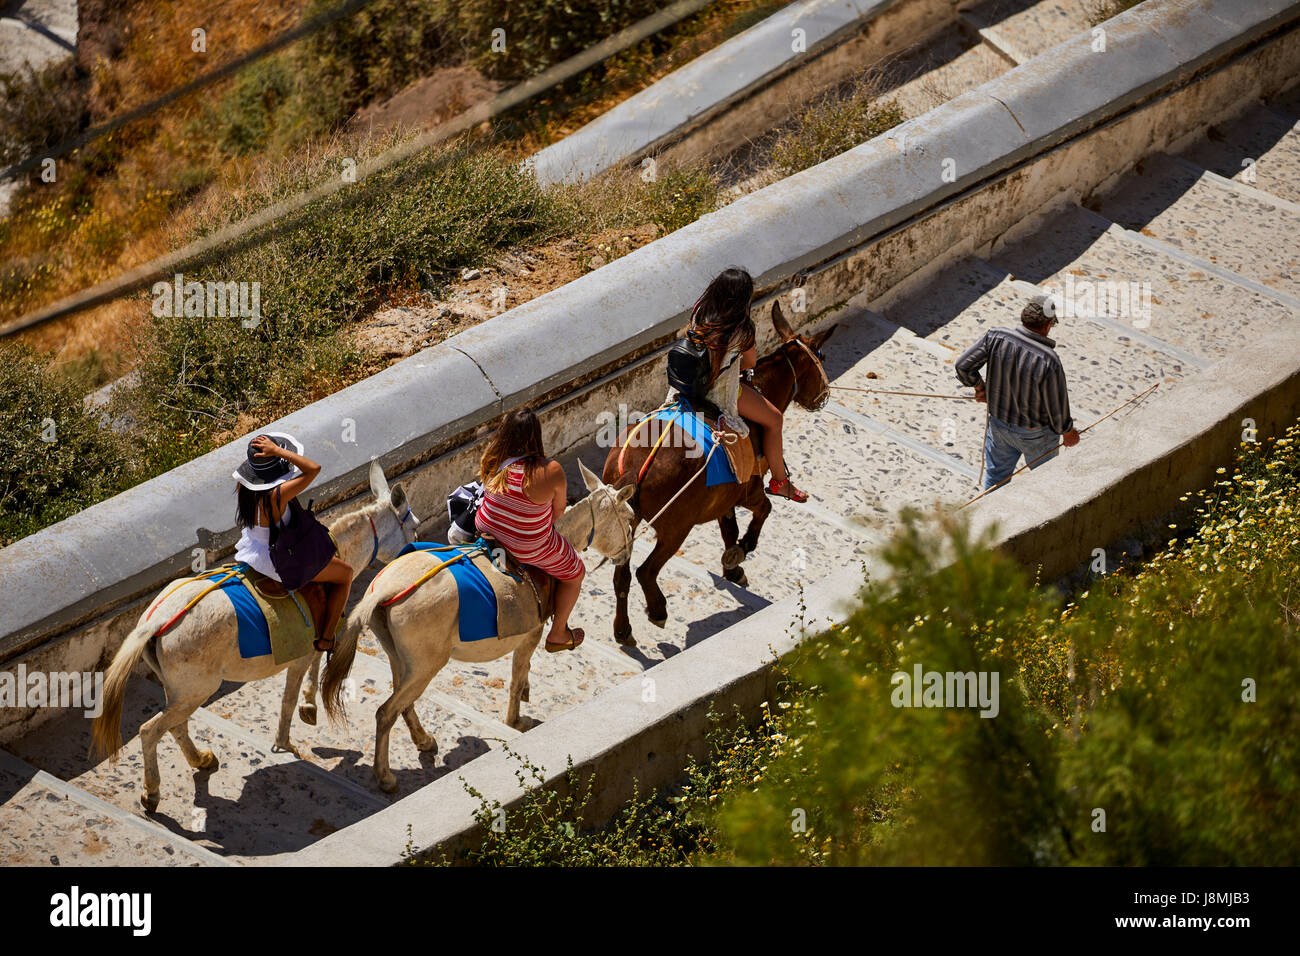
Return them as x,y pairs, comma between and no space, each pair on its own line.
478,603
692,422
254,635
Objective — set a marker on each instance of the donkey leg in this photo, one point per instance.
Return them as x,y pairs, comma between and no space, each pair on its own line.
760,506
732,554
307,709
176,713
292,682
656,605
424,741
196,758
622,584
520,661
415,678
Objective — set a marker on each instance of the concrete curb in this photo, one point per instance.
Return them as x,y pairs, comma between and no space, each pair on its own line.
703,88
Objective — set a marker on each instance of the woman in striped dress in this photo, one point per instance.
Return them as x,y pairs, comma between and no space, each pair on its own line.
524,492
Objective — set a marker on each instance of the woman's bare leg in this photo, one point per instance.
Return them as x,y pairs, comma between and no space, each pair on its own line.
338,576
566,597
756,408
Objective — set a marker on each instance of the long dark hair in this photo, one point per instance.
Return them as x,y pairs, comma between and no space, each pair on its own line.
518,436
720,319
249,503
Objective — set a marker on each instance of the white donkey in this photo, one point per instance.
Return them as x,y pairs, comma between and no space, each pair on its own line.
421,632
201,650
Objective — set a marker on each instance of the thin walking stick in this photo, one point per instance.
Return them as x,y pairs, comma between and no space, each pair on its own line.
881,391
1056,449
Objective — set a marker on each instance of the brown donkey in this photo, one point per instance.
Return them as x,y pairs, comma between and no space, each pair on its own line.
792,373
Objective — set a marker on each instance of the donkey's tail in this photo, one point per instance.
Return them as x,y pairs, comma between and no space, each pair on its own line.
106,733
345,652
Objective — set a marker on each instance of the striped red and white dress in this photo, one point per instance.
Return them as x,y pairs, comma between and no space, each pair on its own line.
526,529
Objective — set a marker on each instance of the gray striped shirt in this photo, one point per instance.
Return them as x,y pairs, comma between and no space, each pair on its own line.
1026,381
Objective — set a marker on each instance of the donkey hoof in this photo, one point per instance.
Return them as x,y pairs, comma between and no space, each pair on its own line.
427,745
207,760
149,801
657,621
736,576
732,557
625,638
388,783
308,714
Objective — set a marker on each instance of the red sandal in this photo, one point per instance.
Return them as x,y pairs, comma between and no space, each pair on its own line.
784,489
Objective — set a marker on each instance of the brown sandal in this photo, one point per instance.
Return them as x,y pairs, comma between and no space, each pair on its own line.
576,637
786,489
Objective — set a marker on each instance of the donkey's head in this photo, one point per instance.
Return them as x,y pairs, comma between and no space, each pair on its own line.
811,386
611,516
394,524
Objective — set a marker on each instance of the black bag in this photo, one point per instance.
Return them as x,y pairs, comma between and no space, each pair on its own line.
301,549
462,506
690,368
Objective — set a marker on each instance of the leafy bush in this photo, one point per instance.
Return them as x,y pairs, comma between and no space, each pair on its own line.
38,108
340,257
834,124
541,33
57,459
1131,702
372,53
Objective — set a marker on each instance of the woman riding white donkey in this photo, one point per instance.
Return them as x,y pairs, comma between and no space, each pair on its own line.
416,617
198,646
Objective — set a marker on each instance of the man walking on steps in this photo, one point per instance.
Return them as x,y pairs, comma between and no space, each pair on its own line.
1028,404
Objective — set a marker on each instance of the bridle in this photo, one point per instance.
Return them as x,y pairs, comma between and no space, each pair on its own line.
374,533
824,395
627,531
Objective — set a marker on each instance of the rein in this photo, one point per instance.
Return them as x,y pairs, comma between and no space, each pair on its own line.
824,395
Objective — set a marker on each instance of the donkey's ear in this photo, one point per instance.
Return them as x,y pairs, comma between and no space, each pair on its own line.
398,497
378,483
624,493
780,324
818,340
588,479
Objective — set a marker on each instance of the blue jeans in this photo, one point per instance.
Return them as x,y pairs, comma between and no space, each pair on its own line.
1006,443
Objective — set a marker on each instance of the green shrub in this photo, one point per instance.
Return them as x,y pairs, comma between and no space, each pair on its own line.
540,33
369,54
831,126
1131,702
38,109
57,459
246,116
396,230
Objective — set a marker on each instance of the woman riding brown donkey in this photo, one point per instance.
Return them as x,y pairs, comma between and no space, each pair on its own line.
720,322
269,483
792,373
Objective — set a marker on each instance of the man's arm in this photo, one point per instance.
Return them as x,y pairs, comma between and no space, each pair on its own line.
971,361
1057,398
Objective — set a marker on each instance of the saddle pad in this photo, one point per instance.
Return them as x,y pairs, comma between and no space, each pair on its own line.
288,620
478,601
719,470
265,627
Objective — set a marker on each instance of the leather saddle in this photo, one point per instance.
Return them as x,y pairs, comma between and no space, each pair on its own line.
744,454
312,593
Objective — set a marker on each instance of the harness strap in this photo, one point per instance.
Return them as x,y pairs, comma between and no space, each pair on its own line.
622,455
234,570
473,550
